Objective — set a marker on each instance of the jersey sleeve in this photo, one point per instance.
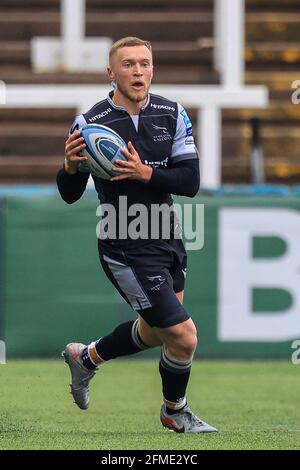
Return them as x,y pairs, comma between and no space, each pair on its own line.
183,147
71,187
78,123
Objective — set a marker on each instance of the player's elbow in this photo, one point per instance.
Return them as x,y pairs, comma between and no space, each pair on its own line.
67,196
192,191
70,200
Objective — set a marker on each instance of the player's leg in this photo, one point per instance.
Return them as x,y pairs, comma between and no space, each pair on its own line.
148,333
178,334
176,330
126,339
180,341
179,344
133,336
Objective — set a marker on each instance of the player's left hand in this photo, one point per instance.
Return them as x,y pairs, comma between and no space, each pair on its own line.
132,168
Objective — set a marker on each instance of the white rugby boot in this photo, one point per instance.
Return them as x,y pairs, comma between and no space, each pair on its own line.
184,421
81,376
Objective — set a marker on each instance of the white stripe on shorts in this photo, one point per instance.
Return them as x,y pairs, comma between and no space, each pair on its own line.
128,283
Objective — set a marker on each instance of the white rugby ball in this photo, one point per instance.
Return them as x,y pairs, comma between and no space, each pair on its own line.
103,147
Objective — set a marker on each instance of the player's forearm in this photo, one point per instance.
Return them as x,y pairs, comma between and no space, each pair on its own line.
71,186
182,180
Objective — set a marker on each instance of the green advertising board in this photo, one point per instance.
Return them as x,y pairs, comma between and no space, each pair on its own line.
2,280
242,286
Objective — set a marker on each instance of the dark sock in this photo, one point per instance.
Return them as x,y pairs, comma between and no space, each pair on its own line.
123,341
175,376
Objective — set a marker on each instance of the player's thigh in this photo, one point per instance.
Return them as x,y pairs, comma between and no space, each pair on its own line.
151,335
149,291
165,309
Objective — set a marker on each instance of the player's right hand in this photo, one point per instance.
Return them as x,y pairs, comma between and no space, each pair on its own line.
73,148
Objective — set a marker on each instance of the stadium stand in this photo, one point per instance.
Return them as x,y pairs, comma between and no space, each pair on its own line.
182,36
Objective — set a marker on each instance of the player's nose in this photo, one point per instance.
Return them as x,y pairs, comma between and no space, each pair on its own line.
137,70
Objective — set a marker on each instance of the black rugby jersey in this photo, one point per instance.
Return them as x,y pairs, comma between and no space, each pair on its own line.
163,139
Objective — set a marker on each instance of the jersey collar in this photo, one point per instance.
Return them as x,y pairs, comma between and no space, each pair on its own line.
121,108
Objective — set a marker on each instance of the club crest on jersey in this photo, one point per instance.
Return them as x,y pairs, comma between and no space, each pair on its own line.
164,134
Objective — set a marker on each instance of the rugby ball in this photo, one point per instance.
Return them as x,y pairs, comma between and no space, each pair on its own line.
103,147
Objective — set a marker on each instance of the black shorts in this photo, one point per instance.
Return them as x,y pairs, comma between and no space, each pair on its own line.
148,277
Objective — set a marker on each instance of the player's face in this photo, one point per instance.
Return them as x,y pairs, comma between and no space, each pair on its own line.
132,70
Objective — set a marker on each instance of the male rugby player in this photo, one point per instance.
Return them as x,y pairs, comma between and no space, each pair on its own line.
149,273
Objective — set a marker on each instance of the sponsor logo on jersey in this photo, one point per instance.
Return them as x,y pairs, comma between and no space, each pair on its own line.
162,106
187,122
156,164
101,115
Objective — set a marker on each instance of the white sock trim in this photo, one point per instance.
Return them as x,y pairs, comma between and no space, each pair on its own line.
175,405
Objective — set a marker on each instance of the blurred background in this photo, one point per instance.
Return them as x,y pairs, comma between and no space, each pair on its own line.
233,64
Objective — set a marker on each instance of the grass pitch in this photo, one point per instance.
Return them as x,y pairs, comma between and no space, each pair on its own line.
255,405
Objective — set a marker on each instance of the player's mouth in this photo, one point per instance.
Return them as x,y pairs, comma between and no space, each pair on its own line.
137,85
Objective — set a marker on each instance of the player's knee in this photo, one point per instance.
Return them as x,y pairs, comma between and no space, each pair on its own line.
188,345
189,339
184,340
183,350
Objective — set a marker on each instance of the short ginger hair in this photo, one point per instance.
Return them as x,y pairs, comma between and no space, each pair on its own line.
129,41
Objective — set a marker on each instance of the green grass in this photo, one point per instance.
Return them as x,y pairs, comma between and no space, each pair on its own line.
255,405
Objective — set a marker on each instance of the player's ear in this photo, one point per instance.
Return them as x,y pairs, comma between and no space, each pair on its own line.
110,73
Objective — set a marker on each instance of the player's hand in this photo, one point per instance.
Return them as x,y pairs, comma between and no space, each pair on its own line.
132,168
73,148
